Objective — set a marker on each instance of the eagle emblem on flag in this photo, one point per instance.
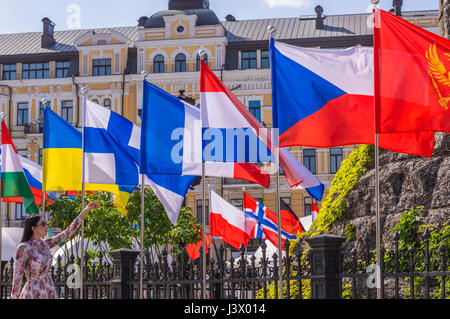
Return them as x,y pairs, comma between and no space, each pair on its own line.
438,73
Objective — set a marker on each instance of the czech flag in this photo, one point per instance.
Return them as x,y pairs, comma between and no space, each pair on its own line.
325,98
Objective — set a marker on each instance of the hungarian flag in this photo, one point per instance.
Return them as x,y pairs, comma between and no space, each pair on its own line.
13,180
193,250
412,77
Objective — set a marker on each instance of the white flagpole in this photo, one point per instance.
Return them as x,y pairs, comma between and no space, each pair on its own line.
83,176
202,54
271,29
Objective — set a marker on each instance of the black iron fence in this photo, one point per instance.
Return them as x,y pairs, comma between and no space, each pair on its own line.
323,271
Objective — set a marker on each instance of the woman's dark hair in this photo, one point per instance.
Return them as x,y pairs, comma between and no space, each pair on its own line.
30,222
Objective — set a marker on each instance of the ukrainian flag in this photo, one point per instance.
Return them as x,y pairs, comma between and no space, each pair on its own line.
62,161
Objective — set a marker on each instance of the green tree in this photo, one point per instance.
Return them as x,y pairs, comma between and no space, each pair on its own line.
107,225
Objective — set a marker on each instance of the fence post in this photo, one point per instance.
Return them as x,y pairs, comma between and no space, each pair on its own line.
326,266
123,261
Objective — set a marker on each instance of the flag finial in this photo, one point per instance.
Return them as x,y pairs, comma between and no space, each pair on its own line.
2,115
45,101
271,29
144,74
84,90
202,54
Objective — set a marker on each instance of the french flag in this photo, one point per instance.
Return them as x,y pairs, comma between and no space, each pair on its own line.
325,98
33,174
222,112
229,222
175,146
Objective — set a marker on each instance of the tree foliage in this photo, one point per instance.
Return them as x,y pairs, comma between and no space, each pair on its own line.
106,225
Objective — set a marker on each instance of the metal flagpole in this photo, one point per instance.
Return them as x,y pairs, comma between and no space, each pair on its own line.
2,117
84,92
271,29
45,103
141,270
202,54
377,150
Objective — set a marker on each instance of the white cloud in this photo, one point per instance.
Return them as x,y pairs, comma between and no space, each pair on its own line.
288,3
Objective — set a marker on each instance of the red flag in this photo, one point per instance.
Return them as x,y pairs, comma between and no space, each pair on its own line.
267,225
193,250
412,79
314,210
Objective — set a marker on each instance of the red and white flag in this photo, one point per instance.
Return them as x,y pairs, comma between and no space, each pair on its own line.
229,222
314,210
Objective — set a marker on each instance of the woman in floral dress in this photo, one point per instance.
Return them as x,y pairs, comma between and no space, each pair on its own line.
33,257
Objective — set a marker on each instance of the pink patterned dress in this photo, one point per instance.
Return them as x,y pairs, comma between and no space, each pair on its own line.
34,259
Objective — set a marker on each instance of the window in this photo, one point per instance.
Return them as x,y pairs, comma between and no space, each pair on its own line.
40,156
107,104
248,60
237,203
95,101
9,71
255,109
41,116
158,64
180,63
265,62
200,211
20,211
309,159
67,111
198,61
335,159
35,71
306,206
23,153
101,67
22,114
62,69
286,200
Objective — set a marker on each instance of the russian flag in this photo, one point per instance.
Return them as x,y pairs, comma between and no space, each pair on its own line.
223,112
175,146
325,98
229,222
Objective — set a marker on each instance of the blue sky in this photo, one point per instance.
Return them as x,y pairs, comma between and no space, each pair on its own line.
26,15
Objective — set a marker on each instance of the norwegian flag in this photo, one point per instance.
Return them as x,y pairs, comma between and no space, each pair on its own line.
267,228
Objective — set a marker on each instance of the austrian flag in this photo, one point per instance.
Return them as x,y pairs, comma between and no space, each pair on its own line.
14,183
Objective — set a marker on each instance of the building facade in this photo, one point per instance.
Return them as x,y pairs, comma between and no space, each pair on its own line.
56,64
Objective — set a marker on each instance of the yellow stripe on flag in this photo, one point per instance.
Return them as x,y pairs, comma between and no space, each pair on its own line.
62,169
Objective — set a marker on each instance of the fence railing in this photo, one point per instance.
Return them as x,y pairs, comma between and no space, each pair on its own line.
323,272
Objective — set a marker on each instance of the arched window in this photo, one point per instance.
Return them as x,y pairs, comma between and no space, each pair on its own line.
95,101
180,63
198,61
107,104
158,64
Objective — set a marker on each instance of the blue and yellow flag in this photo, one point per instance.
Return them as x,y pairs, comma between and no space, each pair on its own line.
62,161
